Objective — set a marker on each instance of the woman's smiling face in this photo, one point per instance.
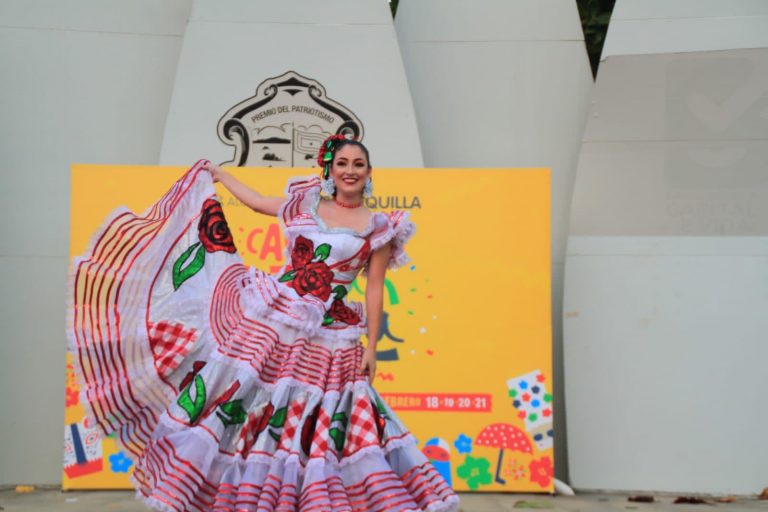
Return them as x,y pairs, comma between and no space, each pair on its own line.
350,170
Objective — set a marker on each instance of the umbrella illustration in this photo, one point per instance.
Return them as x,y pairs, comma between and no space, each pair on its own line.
503,436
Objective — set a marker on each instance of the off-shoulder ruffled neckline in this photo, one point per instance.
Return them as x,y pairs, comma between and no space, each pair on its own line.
340,229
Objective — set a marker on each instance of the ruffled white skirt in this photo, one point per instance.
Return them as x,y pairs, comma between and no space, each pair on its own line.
223,392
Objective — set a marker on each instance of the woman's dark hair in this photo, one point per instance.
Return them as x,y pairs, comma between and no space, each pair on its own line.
351,142
327,151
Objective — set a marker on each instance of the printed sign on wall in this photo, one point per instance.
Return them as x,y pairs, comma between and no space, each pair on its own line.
284,123
465,346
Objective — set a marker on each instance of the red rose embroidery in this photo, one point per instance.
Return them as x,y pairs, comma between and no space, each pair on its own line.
264,420
314,278
302,252
343,313
196,367
253,427
380,421
213,230
308,430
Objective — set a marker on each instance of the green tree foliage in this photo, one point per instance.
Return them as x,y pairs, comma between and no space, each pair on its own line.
595,15
393,6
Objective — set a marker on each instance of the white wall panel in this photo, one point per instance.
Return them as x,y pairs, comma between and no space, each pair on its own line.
348,46
665,351
665,284
81,81
658,26
503,84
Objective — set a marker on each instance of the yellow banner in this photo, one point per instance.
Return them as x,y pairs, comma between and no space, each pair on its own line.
465,352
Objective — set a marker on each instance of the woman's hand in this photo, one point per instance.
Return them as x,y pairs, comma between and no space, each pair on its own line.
214,170
368,364
243,193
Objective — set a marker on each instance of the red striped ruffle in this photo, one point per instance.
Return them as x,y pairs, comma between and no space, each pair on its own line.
94,327
300,193
168,477
396,229
248,336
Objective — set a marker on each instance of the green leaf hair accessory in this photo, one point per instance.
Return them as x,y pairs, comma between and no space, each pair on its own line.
325,155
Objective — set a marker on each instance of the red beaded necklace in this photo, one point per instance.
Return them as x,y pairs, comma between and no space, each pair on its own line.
347,205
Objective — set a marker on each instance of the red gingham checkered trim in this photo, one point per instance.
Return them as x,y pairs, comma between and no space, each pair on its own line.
292,421
170,343
320,437
361,431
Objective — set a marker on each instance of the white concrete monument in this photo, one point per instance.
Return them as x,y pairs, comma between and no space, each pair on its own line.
262,83
503,84
666,287
80,81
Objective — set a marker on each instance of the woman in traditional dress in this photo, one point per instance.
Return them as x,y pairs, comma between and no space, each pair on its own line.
237,390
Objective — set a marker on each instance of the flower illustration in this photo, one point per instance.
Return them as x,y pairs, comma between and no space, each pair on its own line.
71,379
119,463
515,470
213,230
475,472
463,444
541,471
73,397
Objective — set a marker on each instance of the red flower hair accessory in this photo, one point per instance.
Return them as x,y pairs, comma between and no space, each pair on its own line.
325,154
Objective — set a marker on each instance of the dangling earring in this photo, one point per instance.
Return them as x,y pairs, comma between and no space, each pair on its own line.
368,188
328,186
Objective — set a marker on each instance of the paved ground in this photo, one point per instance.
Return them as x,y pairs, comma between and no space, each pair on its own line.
98,501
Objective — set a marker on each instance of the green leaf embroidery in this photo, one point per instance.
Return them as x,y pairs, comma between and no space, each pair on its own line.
381,409
327,320
322,252
338,438
288,276
274,435
340,291
278,419
340,416
194,407
234,413
198,260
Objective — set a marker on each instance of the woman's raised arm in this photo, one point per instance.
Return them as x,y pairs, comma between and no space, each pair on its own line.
244,193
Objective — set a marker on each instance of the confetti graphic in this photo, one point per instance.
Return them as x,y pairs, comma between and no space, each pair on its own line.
533,403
